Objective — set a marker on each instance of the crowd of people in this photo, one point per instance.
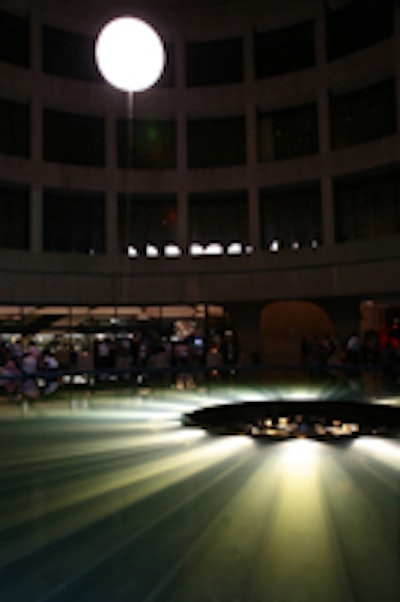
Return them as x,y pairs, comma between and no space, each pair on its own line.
28,370
351,359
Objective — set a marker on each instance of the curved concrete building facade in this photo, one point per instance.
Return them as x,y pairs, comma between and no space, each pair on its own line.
262,167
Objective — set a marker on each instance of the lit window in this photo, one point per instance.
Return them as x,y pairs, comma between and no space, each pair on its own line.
151,251
172,250
235,248
196,249
274,246
214,248
132,252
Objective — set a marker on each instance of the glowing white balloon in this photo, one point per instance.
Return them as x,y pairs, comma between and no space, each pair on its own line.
130,54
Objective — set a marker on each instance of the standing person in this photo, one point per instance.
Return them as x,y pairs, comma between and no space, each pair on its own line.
29,366
51,365
9,374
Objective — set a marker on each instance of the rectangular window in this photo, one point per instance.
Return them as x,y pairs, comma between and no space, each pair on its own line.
284,50
356,25
214,63
216,142
73,222
220,217
367,206
363,115
68,54
14,128
291,217
73,139
145,218
152,144
287,133
14,39
14,216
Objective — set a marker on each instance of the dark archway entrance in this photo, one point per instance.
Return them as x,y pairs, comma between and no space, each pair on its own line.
284,324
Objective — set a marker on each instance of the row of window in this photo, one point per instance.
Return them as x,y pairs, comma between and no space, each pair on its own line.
365,206
355,118
356,25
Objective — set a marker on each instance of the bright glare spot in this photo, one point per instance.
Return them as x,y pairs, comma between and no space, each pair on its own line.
235,248
299,393
274,246
172,250
214,248
130,54
196,249
132,252
300,456
231,444
249,249
151,251
388,401
184,436
295,245
388,451
314,243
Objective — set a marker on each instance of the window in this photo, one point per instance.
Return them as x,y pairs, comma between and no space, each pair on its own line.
220,217
287,133
14,39
14,128
363,115
73,221
291,217
14,217
213,63
68,54
153,144
284,50
146,219
73,139
367,206
216,142
356,25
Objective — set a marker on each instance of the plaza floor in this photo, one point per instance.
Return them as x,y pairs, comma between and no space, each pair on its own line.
109,498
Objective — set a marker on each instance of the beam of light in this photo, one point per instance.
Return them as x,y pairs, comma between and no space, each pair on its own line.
295,560
300,458
301,392
364,518
381,449
388,401
130,484
226,546
150,523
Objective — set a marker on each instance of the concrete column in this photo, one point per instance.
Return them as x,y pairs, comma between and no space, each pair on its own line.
111,223
36,220
251,141
181,147
111,192
328,212
36,131
37,98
